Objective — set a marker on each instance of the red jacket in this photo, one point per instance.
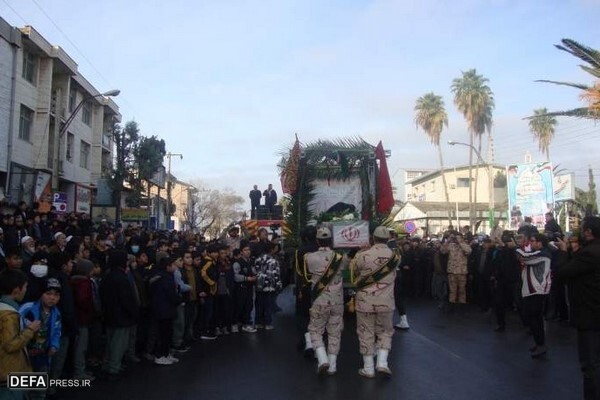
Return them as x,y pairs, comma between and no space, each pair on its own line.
83,296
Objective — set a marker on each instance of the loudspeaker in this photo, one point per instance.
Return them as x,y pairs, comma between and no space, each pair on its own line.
277,212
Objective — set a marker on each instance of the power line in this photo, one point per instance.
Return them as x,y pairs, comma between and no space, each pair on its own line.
15,11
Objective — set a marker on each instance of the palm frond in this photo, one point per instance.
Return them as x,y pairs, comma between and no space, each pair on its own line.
592,71
582,112
587,54
570,84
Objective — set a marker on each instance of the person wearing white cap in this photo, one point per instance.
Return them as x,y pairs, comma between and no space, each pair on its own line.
327,310
27,250
61,242
375,275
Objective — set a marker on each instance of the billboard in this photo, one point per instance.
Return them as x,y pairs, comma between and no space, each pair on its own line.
564,188
83,199
530,192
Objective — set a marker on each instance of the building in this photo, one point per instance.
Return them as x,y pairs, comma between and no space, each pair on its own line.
426,204
55,123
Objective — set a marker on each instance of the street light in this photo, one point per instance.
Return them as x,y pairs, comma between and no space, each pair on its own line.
65,126
169,155
491,200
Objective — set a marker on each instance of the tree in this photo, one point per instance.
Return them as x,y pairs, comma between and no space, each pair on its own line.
590,94
542,126
210,211
475,100
431,117
592,203
126,141
149,155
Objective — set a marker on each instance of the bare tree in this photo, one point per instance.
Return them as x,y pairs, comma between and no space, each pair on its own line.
211,210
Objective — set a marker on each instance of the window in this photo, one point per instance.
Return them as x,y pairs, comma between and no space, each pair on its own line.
432,186
28,66
86,113
462,182
84,155
50,160
72,100
25,123
70,146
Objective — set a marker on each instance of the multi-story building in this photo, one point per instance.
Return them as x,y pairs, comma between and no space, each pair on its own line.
426,199
55,123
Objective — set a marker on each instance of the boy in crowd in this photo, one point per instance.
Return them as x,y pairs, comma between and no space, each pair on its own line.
13,339
245,278
208,290
46,342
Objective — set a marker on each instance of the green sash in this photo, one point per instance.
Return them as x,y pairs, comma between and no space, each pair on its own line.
327,277
382,272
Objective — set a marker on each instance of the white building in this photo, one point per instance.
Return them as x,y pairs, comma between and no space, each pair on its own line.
426,200
45,90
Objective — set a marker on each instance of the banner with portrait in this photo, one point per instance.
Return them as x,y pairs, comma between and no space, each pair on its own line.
530,192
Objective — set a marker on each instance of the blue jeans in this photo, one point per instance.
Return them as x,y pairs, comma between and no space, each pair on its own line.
588,343
265,304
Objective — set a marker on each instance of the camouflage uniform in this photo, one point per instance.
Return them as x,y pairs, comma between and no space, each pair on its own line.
375,303
327,310
458,257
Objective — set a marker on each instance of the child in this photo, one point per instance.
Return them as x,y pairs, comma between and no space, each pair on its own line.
13,339
46,342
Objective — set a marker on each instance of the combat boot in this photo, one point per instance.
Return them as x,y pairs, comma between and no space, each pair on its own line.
308,349
332,364
382,363
323,361
368,369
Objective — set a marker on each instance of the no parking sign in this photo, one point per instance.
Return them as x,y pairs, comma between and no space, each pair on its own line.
59,201
410,227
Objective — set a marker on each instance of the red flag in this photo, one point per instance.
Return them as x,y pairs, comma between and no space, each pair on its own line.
289,175
385,196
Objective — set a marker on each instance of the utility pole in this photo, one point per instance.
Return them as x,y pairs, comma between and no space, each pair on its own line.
492,200
169,156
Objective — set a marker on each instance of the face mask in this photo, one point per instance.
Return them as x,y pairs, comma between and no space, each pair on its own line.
39,270
135,249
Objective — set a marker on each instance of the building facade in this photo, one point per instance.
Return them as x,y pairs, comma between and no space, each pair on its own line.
427,207
56,125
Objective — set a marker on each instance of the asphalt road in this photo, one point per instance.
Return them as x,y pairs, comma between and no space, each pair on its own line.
443,356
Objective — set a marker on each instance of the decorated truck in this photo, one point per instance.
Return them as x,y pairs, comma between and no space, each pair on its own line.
341,183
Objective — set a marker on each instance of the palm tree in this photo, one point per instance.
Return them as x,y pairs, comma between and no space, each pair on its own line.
475,100
542,125
590,94
431,117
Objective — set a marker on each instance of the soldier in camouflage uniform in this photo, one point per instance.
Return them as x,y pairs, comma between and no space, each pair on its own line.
375,275
327,310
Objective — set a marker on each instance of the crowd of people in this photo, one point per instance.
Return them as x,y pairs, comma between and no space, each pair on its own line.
80,297
84,297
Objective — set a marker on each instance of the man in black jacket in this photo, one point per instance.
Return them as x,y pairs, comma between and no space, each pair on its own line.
255,196
582,274
121,311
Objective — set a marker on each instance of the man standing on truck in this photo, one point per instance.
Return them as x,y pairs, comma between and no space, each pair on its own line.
255,196
327,310
270,198
375,275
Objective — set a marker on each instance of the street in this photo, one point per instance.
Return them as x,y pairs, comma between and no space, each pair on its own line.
443,356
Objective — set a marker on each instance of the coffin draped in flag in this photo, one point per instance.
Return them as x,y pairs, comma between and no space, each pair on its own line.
289,174
385,196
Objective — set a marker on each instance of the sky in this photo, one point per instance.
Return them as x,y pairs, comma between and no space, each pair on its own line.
227,83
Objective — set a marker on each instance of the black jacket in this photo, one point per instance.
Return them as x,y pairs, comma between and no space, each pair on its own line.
582,274
164,296
118,300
